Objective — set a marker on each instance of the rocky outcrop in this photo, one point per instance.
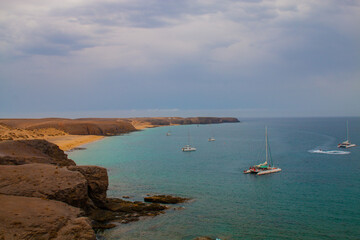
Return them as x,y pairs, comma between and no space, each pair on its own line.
32,151
204,238
35,218
51,150
166,199
121,211
97,181
45,181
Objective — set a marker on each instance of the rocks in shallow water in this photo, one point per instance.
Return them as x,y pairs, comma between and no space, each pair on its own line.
204,238
119,205
118,210
178,208
76,149
167,199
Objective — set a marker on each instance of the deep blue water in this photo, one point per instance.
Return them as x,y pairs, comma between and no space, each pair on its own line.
316,196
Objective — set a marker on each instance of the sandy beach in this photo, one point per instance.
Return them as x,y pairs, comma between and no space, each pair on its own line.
69,142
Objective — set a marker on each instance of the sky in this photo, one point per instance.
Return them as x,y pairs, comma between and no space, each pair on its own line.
120,58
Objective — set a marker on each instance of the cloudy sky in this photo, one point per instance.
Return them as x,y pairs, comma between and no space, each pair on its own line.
246,57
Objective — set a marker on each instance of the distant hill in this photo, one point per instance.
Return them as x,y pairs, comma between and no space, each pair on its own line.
104,126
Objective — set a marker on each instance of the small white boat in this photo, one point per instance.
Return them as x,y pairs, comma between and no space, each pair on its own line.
347,143
266,167
211,139
168,133
188,148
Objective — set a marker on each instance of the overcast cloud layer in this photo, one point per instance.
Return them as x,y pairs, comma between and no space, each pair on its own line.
281,57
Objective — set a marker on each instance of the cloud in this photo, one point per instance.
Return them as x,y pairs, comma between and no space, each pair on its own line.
235,50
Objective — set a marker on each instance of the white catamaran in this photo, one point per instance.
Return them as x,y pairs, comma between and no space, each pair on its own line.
347,143
266,167
188,148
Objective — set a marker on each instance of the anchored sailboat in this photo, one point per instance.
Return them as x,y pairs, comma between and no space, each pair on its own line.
188,148
266,167
347,143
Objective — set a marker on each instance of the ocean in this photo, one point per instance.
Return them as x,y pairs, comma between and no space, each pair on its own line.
316,196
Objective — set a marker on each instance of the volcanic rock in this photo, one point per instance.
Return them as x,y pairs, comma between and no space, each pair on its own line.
166,199
44,181
32,151
97,181
35,218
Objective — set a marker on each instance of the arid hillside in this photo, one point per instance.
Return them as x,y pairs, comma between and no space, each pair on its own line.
93,126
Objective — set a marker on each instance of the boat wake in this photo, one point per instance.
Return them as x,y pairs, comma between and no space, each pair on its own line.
333,152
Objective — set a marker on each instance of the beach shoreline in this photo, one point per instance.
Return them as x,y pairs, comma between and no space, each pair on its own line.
71,133
69,142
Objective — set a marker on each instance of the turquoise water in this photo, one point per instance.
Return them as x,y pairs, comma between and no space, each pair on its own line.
316,196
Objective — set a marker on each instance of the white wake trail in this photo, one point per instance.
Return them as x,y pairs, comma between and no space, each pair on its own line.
332,152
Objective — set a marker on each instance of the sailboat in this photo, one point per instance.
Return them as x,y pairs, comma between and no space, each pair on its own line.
188,148
347,143
266,167
211,139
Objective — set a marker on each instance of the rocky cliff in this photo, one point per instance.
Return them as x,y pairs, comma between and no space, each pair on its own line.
104,127
44,195
32,151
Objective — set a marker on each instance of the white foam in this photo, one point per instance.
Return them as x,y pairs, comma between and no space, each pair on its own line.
333,152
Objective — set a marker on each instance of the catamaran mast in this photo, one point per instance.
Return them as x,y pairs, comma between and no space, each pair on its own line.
188,137
266,144
347,130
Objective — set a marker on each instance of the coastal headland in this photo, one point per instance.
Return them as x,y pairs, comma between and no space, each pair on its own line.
45,195
71,133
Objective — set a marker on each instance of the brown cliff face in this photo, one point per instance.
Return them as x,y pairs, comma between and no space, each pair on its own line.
44,181
32,151
104,127
97,181
35,218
